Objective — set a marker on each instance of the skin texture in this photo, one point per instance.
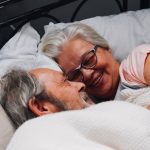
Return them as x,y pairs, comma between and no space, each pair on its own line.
106,69
147,72
147,69
70,94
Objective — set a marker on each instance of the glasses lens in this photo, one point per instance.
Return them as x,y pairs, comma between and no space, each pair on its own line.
75,75
89,60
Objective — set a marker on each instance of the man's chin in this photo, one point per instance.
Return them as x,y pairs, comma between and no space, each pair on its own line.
84,96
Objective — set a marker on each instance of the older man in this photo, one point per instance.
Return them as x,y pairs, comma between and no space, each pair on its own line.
25,95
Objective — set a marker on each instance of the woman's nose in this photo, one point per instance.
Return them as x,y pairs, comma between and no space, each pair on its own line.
87,73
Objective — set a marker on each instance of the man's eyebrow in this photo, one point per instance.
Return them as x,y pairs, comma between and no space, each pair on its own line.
64,76
62,69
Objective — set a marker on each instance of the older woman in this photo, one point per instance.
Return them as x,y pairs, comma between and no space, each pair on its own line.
86,56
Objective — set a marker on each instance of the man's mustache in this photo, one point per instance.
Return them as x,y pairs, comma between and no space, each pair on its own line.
84,96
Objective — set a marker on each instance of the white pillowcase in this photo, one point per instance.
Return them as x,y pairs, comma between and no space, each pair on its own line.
123,32
21,52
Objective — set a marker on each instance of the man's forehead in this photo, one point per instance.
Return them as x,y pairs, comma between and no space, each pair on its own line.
46,73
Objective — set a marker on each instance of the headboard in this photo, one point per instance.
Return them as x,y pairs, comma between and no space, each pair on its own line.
21,17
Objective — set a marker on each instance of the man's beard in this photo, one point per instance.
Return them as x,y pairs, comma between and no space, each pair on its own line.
53,100
84,96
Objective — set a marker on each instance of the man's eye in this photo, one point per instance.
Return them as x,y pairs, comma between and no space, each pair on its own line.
64,77
65,80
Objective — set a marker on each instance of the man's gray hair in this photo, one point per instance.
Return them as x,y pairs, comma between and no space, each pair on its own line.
17,87
53,42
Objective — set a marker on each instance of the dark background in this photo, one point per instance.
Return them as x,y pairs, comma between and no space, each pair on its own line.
91,8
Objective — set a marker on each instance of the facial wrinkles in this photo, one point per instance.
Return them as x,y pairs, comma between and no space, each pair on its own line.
78,101
62,85
59,104
66,100
73,64
73,101
62,80
93,77
68,60
109,75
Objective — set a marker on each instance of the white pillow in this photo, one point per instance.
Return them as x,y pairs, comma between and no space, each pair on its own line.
123,32
6,129
21,52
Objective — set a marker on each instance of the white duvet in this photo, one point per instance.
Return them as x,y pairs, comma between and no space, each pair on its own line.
111,125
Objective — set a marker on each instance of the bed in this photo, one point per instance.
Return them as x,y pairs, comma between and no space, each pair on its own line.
23,42
18,16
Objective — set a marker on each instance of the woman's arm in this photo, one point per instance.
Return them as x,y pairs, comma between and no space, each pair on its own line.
147,69
148,107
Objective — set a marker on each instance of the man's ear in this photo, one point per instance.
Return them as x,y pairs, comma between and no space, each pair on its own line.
110,50
38,107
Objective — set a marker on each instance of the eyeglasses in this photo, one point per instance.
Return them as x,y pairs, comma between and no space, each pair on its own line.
88,61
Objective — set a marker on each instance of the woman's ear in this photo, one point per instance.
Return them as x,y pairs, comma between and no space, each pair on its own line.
38,107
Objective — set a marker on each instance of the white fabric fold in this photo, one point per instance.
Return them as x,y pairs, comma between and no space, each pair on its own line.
21,52
111,125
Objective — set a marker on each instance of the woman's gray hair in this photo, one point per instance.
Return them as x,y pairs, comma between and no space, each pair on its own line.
53,42
17,87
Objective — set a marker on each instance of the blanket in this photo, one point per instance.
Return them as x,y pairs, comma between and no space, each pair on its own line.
137,96
113,125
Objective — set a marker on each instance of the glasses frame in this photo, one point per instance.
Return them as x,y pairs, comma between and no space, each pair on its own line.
78,69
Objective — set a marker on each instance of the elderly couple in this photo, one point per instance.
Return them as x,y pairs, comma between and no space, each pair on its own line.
88,67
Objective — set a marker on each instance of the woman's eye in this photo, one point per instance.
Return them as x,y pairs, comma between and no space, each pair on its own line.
88,60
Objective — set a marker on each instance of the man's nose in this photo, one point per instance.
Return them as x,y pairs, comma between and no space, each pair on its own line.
78,85
87,74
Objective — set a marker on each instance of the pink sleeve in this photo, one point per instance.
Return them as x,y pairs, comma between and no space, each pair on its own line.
132,68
